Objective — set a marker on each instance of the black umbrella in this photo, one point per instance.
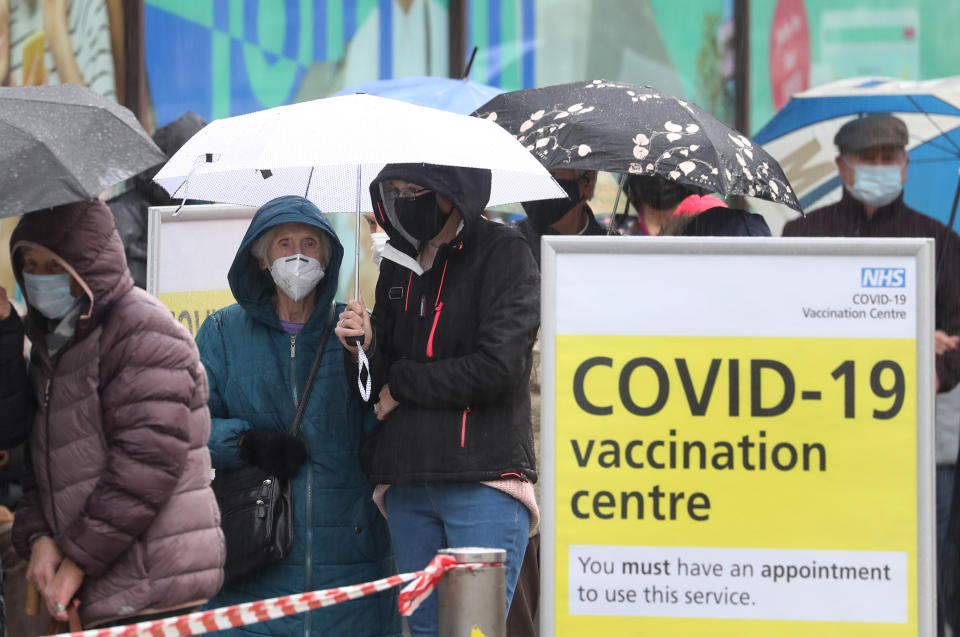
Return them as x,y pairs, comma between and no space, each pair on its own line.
65,143
616,127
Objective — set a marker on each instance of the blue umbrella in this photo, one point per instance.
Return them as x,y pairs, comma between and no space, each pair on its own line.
801,135
447,94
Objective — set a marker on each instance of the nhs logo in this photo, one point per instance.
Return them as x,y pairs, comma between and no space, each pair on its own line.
883,277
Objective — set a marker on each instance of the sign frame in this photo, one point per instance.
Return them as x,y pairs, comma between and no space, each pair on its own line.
158,215
922,250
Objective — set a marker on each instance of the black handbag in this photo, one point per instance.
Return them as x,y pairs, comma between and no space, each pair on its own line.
256,508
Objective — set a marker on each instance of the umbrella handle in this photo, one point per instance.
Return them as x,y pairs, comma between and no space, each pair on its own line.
363,365
616,202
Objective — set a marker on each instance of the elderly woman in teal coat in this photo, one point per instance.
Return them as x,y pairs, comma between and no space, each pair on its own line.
258,354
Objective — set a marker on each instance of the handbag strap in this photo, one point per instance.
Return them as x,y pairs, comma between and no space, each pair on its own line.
295,427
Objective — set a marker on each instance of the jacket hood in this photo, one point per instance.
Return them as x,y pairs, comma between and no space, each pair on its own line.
726,222
83,236
467,188
254,289
169,139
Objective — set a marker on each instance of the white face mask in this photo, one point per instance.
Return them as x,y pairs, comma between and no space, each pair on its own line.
296,275
377,241
876,186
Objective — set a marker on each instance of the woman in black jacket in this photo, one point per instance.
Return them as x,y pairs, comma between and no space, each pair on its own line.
449,346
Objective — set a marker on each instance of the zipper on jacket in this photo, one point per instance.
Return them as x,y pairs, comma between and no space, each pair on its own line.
308,587
437,309
423,305
443,276
293,367
463,428
406,297
433,330
46,419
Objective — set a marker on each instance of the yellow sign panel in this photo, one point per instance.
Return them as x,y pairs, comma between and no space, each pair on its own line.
736,486
192,308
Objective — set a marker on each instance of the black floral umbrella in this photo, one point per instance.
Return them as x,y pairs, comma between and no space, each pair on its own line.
616,127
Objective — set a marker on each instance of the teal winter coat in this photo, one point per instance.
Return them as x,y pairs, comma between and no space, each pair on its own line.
256,372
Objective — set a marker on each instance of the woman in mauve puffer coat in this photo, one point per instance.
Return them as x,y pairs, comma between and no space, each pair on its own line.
121,522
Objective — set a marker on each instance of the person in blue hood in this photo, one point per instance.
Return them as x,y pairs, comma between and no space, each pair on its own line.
257,354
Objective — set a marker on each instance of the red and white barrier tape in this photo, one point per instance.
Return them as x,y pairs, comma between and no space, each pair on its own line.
422,584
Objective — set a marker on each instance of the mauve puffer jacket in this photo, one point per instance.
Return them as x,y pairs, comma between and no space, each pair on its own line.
121,465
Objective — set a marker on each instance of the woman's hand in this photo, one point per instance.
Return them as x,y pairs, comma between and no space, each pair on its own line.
4,301
45,559
385,404
942,342
64,588
354,322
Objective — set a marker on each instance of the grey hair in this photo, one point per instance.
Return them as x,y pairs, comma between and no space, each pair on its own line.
261,246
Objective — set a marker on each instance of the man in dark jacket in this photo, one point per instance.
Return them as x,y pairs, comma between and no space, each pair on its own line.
873,166
449,346
570,216
872,163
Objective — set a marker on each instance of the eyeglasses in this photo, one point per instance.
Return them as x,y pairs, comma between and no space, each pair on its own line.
411,192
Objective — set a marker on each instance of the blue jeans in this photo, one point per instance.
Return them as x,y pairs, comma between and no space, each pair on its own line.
427,517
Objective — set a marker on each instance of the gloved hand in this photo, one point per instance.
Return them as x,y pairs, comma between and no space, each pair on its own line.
276,453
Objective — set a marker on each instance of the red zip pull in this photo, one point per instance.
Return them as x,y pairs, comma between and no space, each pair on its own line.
463,428
437,308
406,299
433,329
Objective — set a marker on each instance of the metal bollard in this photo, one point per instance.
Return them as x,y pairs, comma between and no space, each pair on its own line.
474,600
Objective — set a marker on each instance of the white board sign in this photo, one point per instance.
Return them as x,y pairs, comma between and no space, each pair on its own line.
737,437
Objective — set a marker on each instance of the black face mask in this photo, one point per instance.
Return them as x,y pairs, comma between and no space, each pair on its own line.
420,216
546,212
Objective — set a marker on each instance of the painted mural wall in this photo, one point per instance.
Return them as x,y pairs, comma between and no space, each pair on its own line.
227,57
221,58
798,44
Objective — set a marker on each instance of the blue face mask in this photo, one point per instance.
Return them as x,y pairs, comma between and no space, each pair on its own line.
876,186
49,293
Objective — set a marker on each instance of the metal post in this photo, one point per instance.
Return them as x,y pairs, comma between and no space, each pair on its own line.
741,35
457,24
136,94
474,599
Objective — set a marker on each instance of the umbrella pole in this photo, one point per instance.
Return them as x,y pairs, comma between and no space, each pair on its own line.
616,202
356,245
946,241
306,193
